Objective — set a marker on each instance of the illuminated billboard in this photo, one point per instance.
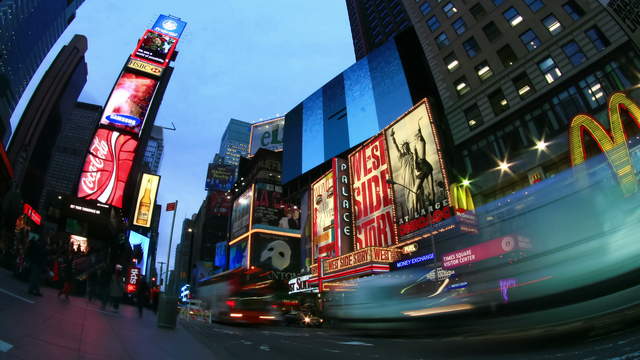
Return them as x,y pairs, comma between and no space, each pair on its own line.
139,248
146,200
218,204
277,253
238,255
241,214
155,47
107,166
220,177
268,135
170,25
129,102
322,235
421,191
270,211
371,195
612,142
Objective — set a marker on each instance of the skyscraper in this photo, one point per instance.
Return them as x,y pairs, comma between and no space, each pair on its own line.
67,155
29,30
43,119
512,74
373,22
235,141
153,151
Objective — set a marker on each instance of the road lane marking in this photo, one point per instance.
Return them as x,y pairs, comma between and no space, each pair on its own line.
355,343
5,346
17,296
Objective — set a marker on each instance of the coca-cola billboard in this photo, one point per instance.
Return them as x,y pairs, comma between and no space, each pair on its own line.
107,166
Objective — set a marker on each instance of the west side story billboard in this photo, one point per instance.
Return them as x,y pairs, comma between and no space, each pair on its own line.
421,191
372,195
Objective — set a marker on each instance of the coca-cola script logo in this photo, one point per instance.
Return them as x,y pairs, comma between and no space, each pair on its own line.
107,166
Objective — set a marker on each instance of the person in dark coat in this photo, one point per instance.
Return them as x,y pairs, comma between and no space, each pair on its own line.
36,256
141,294
67,277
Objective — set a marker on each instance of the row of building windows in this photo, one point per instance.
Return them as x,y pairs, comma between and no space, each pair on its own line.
547,66
549,118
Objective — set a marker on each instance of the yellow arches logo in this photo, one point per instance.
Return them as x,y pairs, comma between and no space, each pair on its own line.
613,142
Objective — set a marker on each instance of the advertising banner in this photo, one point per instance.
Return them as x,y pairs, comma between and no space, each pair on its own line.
371,195
218,204
146,200
343,214
221,255
323,203
145,67
361,257
106,167
140,249
485,250
268,135
241,213
170,25
273,252
421,191
78,243
132,279
220,177
269,210
238,255
129,102
155,47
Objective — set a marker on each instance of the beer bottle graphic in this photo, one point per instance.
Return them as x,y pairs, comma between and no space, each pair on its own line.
144,206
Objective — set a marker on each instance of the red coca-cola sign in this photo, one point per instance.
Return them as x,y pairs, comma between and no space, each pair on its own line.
107,166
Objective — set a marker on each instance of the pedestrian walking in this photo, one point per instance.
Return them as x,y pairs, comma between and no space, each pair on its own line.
67,277
104,281
155,296
141,294
116,288
36,257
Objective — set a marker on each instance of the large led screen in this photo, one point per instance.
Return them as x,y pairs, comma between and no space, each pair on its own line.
241,213
129,102
371,195
107,166
322,197
270,211
155,47
220,177
420,191
268,135
218,204
169,25
139,248
146,200
238,254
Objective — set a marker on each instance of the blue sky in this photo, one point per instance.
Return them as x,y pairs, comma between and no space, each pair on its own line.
248,60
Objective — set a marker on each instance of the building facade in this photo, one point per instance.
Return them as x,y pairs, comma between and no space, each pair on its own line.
153,151
44,119
67,156
22,49
512,75
374,22
235,141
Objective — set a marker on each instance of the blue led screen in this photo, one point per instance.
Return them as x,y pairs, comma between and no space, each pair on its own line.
349,109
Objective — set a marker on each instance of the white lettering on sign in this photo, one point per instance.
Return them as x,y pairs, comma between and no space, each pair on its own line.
89,181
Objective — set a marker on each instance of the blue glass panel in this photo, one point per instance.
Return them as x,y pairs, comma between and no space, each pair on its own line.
312,131
361,107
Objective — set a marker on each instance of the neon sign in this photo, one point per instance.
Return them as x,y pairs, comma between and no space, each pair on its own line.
612,143
415,260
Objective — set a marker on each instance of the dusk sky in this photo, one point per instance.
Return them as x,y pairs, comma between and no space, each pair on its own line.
248,60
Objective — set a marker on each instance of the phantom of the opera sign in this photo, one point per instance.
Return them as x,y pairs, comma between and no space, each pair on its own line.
371,196
420,189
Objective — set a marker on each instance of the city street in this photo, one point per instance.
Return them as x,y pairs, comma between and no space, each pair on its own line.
237,342
49,328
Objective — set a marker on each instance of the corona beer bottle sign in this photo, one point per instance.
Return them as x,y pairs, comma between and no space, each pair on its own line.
613,143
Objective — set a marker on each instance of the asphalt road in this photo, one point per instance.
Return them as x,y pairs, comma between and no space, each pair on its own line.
243,342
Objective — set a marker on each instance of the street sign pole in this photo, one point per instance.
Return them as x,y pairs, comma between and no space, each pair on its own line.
170,241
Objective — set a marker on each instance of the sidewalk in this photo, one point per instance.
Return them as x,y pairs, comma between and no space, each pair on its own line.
49,328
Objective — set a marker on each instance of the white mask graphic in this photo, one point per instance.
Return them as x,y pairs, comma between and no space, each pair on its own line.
279,253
